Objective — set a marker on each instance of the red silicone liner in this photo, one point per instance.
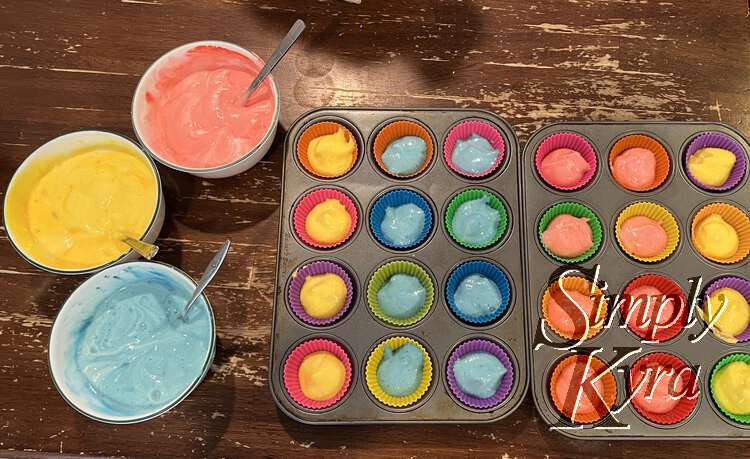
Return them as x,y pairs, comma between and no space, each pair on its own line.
669,288
291,372
313,198
686,404
574,142
463,131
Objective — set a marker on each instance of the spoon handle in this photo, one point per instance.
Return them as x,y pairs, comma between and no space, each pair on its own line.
286,43
143,248
208,274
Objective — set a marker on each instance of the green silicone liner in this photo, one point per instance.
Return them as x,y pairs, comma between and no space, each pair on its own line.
381,276
470,195
737,357
576,210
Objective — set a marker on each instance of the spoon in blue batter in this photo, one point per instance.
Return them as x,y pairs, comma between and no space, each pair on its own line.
208,275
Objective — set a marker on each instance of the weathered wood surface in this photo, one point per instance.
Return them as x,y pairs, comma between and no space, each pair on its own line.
67,65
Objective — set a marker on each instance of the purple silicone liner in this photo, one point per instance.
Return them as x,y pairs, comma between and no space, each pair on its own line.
737,283
717,140
481,345
314,269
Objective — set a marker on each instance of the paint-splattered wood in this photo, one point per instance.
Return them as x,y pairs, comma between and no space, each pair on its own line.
74,64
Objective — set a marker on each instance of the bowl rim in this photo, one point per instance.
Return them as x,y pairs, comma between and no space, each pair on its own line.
215,169
30,158
206,365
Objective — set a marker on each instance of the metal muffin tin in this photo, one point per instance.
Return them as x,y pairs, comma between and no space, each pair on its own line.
359,331
607,199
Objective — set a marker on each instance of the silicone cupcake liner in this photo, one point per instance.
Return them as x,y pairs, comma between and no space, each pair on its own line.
291,372
394,131
394,199
576,210
574,142
740,284
470,195
381,276
735,217
488,270
463,131
736,357
605,400
687,403
663,164
655,212
671,290
718,140
313,198
317,130
317,268
506,384
583,286
371,374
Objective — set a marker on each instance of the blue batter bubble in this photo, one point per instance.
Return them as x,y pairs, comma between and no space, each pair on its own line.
405,155
475,222
402,297
474,155
400,372
401,219
132,351
478,292
479,374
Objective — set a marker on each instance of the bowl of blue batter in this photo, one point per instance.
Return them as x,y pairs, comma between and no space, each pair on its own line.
119,353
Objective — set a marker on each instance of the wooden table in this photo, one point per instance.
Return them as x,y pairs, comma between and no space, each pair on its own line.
69,65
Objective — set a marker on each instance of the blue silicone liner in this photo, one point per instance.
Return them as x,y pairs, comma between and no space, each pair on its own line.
488,270
397,198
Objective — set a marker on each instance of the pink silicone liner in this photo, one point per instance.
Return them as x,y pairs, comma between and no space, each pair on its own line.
740,284
463,131
313,198
481,345
574,142
291,372
314,269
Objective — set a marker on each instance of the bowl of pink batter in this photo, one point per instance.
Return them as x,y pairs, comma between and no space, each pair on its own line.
191,114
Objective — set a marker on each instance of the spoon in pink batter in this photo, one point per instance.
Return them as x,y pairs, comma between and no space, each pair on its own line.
278,54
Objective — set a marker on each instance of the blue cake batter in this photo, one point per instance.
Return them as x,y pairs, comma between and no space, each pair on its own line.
475,222
405,155
474,155
400,371
402,296
477,296
479,374
402,225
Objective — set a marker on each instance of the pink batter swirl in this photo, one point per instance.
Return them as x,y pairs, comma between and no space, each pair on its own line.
196,115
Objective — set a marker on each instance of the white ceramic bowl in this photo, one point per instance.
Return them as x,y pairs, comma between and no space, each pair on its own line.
74,141
71,384
242,164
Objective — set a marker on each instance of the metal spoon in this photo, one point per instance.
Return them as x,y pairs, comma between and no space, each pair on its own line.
143,248
208,275
277,55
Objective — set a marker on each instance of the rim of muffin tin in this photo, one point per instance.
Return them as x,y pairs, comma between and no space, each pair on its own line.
396,251
370,149
338,247
356,294
345,123
497,172
670,152
495,340
486,250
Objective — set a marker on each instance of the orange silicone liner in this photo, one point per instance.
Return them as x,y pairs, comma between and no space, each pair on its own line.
735,217
583,286
318,130
685,406
603,402
395,130
663,164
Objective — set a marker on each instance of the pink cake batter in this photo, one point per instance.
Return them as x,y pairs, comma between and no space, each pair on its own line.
196,115
643,236
564,316
644,316
568,236
635,168
563,167
662,390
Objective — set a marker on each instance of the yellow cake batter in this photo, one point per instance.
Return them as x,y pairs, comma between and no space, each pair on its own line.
70,211
731,387
321,375
711,166
715,238
323,295
332,155
735,315
328,222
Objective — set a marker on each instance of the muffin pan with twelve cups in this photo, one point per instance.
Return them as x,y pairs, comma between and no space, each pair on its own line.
360,329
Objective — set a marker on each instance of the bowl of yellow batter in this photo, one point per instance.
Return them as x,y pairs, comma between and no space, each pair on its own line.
73,200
